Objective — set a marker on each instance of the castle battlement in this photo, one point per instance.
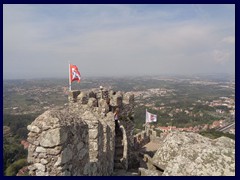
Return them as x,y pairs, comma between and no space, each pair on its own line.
104,101
83,138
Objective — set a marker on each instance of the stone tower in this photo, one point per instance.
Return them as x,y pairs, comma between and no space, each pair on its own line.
83,138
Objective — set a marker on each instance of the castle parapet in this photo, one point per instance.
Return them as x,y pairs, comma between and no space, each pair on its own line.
81,138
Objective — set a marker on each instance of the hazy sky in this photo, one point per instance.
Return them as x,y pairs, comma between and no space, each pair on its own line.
112,40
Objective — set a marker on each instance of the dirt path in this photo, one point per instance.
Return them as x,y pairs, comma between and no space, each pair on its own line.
149,148
152,146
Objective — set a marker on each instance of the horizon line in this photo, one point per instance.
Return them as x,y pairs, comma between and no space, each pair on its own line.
125,76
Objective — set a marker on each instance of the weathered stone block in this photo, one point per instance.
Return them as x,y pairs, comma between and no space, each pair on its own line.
83,152
40,167
32,167
40,173
80,146
36,143
93,133
33,128
54,151
93,146
52,138
43,161
41,149
42,155
58,162
67,155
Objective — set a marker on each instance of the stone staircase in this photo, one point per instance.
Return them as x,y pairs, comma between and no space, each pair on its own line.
118,148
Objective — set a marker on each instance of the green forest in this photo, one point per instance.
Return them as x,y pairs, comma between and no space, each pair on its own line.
13,152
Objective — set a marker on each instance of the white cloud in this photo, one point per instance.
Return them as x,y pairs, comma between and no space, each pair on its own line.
229,40
100,37
220,56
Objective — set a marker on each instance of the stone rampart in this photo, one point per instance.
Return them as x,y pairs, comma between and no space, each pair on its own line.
80,139
144,137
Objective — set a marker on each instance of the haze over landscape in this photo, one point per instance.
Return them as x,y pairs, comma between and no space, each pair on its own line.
156,96
117,40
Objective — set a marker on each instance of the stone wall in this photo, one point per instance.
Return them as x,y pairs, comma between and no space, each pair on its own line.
149,134
101,144
80,139
141,139
58,143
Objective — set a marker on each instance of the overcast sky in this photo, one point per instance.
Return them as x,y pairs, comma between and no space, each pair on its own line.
117,40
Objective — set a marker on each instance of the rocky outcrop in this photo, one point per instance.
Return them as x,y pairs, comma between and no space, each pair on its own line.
190,154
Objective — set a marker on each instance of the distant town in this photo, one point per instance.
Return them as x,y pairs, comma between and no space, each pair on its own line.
192,102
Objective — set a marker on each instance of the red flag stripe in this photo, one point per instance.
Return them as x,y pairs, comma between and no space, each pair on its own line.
74,73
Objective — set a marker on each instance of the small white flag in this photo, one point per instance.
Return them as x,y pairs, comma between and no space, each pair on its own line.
150,117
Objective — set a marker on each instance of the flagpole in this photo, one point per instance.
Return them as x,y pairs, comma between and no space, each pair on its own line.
146,117
69,76
146,123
